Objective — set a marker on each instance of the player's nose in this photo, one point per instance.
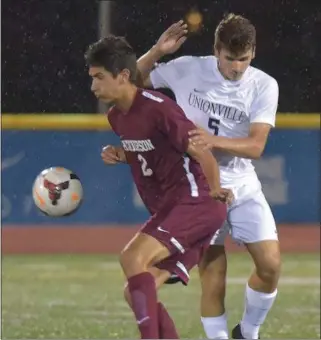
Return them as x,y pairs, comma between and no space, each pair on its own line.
237,66
94,90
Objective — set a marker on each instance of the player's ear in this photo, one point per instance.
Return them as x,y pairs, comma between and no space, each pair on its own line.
124,76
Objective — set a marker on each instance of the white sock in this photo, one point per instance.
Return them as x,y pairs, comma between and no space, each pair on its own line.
257,306
215,327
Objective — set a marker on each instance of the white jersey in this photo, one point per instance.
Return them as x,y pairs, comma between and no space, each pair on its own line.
224,108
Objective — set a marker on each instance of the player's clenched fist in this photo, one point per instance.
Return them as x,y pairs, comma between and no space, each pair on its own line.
113,154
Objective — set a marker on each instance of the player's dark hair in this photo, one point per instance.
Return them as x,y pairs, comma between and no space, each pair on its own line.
114,54
236,34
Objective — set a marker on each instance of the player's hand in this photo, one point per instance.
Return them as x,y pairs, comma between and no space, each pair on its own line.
223,195
109,155
172,39
200,137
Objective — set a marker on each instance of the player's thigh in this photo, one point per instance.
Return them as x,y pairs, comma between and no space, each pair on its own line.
186,229
142,250
192,221
252,221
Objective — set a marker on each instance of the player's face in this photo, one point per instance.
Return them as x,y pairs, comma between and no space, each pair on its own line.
233,66
104,86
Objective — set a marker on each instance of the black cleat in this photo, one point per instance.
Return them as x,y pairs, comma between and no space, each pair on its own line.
237,333
174,279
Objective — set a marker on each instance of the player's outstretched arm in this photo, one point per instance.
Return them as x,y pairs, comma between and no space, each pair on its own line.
248,147
169,42
211,171
113,155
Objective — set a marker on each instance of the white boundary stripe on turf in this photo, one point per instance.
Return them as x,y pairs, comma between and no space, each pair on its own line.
287,280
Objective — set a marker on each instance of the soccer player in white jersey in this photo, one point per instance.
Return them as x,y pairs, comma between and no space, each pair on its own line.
236,105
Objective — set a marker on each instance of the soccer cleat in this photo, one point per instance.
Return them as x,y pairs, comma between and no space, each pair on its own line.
174,279
237,333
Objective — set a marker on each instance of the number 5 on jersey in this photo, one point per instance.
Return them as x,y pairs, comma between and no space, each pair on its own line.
213,124
143,163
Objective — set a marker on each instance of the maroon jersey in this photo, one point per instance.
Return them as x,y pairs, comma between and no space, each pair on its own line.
154,135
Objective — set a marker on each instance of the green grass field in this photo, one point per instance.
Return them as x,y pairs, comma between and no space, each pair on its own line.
80,297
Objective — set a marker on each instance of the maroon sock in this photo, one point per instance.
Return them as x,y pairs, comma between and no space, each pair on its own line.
143,296
167,329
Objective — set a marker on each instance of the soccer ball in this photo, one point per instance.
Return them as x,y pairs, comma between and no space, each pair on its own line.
57,192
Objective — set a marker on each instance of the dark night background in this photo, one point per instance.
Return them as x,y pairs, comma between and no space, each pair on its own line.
43,44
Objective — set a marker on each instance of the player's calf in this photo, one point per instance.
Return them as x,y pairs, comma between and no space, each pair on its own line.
160,276
166,326
261,289
212,271
135,260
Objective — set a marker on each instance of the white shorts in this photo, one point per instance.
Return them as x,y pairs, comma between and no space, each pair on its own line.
249,218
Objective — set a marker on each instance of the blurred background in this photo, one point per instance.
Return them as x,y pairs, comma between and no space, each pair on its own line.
50,118
44,42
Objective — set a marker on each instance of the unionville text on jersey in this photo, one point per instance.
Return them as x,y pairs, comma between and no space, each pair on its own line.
209,108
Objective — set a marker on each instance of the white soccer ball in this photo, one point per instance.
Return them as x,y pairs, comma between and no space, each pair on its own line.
57,192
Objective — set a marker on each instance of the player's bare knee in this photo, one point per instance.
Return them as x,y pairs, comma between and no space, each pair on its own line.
131,261
269,269
267,259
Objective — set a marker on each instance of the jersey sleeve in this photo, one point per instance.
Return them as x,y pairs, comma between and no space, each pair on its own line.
264,106
175,125
170,73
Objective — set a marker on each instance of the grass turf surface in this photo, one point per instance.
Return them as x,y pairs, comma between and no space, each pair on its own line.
80,297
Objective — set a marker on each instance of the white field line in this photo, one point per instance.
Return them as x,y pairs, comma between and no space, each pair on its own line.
289,264
285,280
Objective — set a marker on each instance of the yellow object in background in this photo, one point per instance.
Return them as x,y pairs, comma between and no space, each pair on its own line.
91,121
194,20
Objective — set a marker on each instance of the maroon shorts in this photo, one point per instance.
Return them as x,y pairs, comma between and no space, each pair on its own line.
186,229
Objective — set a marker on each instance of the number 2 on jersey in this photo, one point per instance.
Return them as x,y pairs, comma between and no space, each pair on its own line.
145,169
213,125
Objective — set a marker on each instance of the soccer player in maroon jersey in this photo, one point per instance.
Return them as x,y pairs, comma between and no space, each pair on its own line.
179,183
